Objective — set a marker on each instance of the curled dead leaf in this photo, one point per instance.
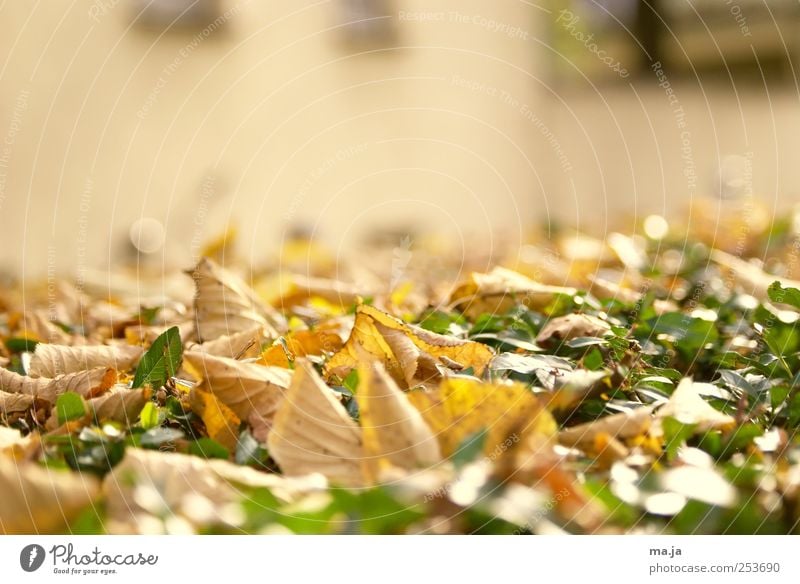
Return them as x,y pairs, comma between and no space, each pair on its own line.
14,403
411,355
572,326
222,424
252,391
622,426
301,344
461,408
54,360
314,433
88,384
120,404
148,486
224,304
394,432
40,500
687,405
498,291
241,345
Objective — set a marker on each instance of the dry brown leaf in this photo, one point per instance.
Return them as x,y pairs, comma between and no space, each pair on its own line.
54,360
572,326
499,290
14,403
36,324
159,492
222,424
252,391
313,432
90,383
394,432
242,345
621,426
120,404
145,335
224,304
460,408
38,500
411,355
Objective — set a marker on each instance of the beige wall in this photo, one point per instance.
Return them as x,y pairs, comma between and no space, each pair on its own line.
457,126
273,120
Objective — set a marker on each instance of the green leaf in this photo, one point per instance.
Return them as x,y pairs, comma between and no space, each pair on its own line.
151,416
70,406
470,449
690,334
675,435
208,448
351,381
20,344
161,361
781,295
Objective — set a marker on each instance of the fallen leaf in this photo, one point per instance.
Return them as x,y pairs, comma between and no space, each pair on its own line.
687,405
252,391
53,360
394,432
411,355
158,492
86,383
14,403
119,405
621,426
301,344
38,500
224,304
499,290
241,345
460,408
222,424
752,278
313,432
572,326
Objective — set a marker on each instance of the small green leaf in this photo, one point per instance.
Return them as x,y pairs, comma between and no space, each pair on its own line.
20,344
470,449
351,381
70,406
161,361
781,295
151,416
675,435
208,448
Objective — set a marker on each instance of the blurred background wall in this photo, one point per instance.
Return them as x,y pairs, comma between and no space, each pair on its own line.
350,117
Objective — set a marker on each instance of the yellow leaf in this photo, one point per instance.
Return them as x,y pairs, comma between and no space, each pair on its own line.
221,422
460,408
499,290
394,432
300,344
313,432
411,355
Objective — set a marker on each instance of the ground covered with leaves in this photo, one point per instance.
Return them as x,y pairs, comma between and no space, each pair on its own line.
630,385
